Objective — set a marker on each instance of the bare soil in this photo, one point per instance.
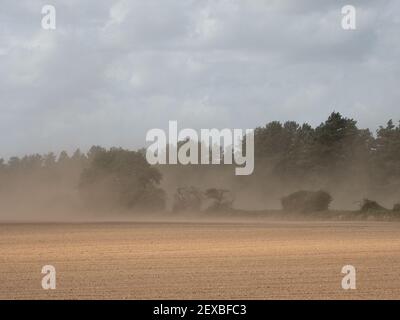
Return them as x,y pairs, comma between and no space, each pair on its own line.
201,260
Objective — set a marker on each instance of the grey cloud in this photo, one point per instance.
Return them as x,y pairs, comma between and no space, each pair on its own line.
114,69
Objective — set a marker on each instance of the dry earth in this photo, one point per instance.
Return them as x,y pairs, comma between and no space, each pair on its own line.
214,260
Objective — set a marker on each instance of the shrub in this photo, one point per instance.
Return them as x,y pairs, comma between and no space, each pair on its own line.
306,201
371,206
396,208
187,199
219,199
194,200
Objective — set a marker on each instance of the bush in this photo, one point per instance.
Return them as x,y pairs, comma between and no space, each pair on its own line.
191,199
396,208
306,201
371,206
187,199
218,199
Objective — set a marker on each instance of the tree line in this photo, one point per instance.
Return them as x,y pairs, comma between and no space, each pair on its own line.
334,154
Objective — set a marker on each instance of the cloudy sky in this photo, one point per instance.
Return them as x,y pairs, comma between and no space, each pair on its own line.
114,69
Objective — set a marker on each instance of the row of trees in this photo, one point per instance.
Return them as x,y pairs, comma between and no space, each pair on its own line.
103,179
336,147
288,157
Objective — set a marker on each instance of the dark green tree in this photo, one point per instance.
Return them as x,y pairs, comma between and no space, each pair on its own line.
121,178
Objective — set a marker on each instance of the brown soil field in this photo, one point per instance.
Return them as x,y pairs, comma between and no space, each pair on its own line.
200,260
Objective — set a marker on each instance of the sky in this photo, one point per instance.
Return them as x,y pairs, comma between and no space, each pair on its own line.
112,70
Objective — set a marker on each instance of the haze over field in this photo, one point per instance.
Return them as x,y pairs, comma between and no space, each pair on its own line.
347,162
108,73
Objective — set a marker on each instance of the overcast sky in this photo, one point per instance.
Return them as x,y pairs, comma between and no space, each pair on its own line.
114,69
